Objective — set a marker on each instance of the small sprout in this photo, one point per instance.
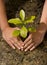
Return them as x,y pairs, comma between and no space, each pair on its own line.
22,15
15,21
16,33
23,32
23,23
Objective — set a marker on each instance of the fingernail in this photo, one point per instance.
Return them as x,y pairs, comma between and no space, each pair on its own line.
31,49
22,44
25,50
13,47
21,47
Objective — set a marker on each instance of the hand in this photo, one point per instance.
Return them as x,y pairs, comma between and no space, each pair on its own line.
12,41
35,38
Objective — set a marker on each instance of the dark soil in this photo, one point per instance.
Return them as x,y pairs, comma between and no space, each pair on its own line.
8,56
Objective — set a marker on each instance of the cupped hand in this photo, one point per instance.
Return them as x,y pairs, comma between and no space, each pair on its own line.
35,38
14,42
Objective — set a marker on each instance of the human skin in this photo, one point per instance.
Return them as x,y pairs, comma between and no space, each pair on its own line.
34,39
14,42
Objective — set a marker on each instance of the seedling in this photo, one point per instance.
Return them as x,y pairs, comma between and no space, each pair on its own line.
24,23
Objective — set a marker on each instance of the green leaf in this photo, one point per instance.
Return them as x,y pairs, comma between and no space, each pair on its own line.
16,33
32,29
15,21
22,15
30,19
23,32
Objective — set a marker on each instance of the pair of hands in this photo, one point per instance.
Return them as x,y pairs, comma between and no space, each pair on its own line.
33,40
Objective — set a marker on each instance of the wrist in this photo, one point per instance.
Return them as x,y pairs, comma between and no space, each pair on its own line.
4,27
43,27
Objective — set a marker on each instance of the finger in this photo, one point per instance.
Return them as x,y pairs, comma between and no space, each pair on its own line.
21,44
15,44
19,39
28,43
18,43
29,46
27,39
10,44
34,46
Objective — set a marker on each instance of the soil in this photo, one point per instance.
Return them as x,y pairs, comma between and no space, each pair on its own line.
8,56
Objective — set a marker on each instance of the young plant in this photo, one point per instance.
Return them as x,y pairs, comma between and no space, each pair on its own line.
26,24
